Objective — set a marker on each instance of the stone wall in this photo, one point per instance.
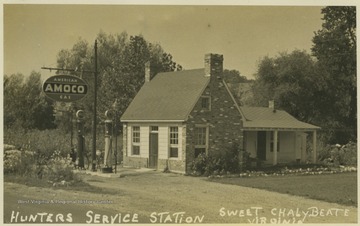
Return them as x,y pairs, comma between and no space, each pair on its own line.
223,120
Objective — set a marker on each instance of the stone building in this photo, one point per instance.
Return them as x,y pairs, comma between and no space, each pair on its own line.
178,115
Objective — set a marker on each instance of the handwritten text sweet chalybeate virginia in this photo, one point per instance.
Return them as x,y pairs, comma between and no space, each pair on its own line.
256,215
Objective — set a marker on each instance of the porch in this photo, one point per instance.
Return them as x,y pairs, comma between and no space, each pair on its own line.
272,146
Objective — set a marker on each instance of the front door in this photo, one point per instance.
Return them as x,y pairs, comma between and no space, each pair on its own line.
153,150
261,145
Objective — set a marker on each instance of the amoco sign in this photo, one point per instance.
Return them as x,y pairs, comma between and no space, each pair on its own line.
65,88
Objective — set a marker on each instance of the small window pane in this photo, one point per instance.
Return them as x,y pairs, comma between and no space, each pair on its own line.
173,152
272,142
136,134
154,128
205,103
136,150
200,136
174,135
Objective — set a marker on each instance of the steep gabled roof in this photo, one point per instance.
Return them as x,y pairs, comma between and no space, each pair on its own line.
169,96
266,118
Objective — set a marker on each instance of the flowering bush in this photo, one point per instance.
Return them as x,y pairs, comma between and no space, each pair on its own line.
335,155
285,171
18,162
39,154
12,160
59,169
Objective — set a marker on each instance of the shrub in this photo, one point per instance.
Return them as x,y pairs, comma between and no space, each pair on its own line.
60,169
216,163
335,155
18,162
41,154
199,164
12,160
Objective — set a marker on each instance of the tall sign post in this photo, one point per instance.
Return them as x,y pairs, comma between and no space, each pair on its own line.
93,154
65,90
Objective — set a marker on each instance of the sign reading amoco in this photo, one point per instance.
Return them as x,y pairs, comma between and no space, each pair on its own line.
65,88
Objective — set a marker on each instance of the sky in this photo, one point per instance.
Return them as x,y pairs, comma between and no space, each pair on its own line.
35,33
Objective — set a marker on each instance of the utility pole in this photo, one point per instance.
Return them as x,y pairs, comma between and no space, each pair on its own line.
93,168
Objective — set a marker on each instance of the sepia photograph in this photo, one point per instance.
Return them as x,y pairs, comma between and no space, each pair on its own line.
178,113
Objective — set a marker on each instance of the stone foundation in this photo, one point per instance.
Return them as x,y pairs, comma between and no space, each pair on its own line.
137,162
173,165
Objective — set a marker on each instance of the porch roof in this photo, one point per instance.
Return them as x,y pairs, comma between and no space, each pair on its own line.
261,118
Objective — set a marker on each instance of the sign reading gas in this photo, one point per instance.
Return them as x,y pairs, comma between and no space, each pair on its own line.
65,88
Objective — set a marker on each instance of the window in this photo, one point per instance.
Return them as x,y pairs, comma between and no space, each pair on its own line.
174,152
174,135
205,103
154,129
272,142
201,135
174,142
135,140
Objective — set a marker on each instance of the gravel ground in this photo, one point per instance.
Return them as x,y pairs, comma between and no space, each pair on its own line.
171,198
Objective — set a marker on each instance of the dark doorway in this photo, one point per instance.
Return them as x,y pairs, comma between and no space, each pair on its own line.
261,145
153,150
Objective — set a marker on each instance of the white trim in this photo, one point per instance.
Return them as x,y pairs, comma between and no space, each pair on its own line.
233,99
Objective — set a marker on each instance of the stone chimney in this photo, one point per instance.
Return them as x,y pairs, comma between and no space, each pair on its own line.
272,105
147,72
214,65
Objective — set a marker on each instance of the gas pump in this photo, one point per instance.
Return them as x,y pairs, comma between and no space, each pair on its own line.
80,138
108,139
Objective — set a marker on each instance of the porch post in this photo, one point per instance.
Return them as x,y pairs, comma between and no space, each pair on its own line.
275,147
314,147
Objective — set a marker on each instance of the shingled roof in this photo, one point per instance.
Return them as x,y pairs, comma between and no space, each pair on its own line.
267,118
169,96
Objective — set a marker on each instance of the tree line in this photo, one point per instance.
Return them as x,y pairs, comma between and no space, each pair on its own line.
317,87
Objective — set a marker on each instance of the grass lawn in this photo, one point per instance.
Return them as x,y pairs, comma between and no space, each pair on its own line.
77,186
337,188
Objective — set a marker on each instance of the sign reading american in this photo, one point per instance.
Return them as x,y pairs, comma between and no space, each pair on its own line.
65,88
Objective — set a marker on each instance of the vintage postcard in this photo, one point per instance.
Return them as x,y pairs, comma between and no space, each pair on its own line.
175,113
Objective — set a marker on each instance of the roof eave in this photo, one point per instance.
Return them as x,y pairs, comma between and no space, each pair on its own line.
278,128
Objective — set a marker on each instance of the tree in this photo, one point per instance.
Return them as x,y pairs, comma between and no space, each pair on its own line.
121,69
293,82
25,104
335,49
233,77
239,86
12,96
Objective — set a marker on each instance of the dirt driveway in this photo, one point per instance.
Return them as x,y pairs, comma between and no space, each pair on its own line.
154,197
